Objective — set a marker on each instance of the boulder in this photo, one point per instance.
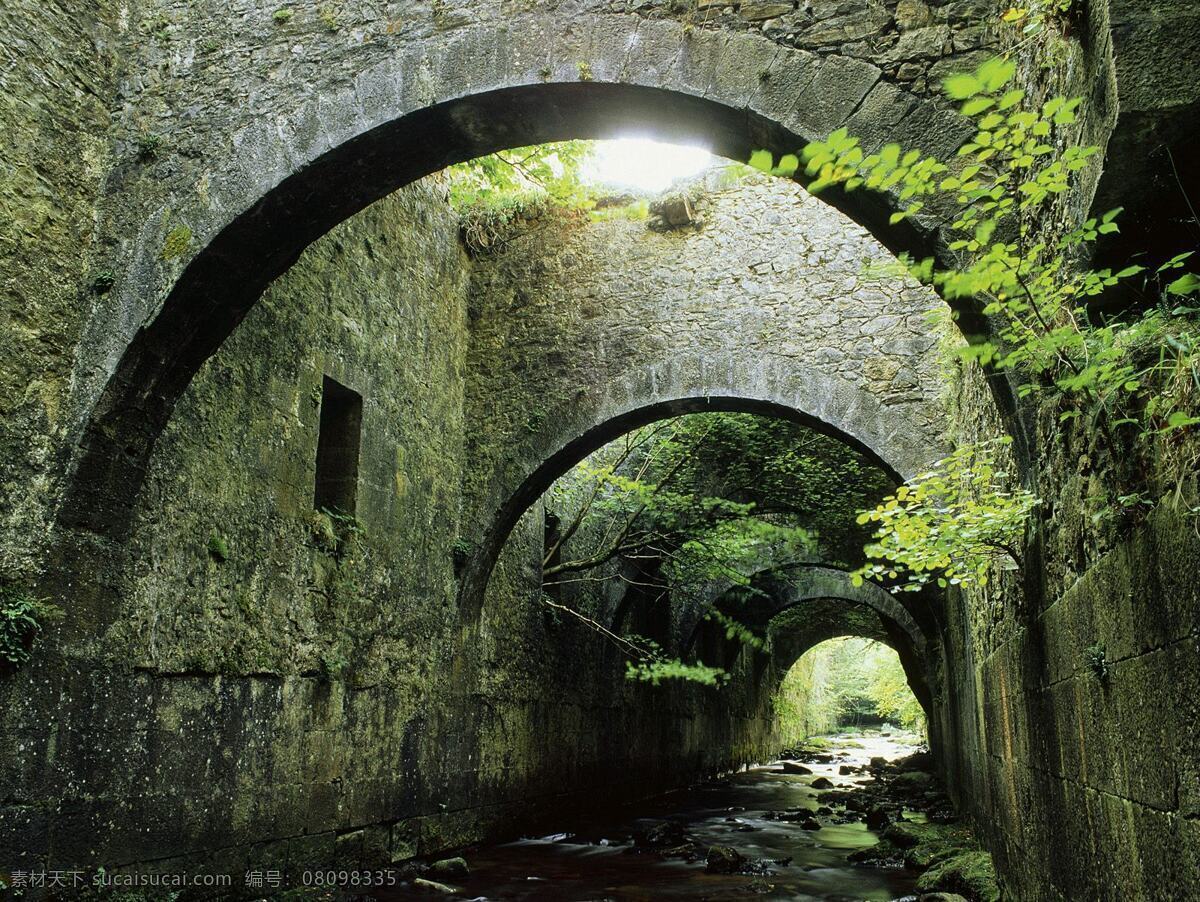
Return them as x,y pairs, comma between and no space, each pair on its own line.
792,767
920,858
674,211
904,835
913,781
450,869
883,854
724,860
877,818
432,886
797,814
837,797
821,783
917,761
969,874
661,835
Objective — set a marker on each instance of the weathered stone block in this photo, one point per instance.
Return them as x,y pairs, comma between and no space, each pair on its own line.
757,11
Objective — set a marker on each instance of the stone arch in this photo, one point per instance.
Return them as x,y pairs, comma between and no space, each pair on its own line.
832,405
791,584
284,176
581,336
798,583
833,607
803,584
832,617
832,622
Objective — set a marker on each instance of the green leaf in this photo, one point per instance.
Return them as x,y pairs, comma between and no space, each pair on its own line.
788,164
1011,99
1175,262
1186,284
961,87
977,105
1180,420
996,73
762,160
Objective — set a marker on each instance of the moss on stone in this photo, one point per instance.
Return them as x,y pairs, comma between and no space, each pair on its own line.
176,243
969,874
218,548
924,845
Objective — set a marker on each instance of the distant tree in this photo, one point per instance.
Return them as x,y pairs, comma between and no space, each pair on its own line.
841,680
501,196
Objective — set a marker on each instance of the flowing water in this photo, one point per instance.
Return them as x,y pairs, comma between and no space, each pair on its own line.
597,859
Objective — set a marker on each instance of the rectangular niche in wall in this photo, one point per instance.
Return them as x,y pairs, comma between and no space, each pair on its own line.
337,448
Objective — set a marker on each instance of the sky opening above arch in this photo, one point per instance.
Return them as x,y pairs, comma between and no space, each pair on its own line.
643,165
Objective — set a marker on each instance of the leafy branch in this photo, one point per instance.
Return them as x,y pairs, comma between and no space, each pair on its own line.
1001,189
673,508
951,524
23,619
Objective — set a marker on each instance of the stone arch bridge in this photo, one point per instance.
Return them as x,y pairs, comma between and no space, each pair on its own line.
217,233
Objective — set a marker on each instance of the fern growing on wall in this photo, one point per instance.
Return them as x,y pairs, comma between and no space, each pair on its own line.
23,618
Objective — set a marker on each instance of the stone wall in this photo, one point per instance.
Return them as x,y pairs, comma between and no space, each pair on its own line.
915,43
280,654
278,687
57,69
1069,709
765,301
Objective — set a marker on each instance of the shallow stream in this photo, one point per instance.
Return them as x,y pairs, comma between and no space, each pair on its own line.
597,859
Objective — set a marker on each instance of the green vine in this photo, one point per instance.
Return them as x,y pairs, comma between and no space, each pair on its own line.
1135,380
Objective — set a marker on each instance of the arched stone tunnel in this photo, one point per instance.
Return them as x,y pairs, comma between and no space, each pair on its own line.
217,212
